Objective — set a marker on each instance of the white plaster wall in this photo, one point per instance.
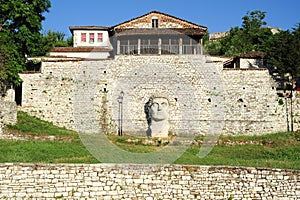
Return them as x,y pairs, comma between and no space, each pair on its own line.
91,55
78,43
251,63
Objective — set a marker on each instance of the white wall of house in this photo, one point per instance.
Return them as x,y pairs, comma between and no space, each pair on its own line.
77,39
251,63
89,55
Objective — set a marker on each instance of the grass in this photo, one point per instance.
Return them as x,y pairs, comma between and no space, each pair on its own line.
278,150
44,152
34,126
69,151
274,156
136,147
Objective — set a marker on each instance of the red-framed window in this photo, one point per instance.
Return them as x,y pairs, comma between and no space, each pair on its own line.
100,37
92,37
83,37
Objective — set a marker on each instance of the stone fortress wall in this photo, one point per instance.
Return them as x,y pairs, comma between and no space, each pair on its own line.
8,110
129,181
204,98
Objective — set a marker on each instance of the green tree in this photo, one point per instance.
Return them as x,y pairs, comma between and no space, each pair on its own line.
283,53
20,25
58,39
52,39
253,20
251,36
11,62
23,18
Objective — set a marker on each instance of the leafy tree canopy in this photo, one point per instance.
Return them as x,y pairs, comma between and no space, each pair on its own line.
11,62
24,19
282,48
254,20
52,39
20,25
283,52
251,36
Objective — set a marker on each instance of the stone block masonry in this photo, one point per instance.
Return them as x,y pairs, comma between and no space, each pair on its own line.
8,113
129,181
1,123
82,95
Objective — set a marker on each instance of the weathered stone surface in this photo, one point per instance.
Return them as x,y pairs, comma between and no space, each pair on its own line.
157,114
8,113
128,181
204,98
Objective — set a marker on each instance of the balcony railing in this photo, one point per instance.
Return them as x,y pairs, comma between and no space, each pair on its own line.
159,49
128,49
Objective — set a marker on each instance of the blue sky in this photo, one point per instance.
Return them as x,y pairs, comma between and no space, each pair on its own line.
217,15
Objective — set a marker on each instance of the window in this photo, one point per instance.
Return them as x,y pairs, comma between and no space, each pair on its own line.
154,23
83,37
100,37
92,37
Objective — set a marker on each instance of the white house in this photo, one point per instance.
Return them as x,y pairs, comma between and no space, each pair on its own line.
152,33
91,42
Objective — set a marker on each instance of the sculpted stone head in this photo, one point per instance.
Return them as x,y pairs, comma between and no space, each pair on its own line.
159,109
157,114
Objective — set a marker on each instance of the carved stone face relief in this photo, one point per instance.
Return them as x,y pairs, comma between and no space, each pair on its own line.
159,110
157,114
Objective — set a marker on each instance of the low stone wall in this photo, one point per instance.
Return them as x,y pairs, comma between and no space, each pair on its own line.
1,123
128,181
8,113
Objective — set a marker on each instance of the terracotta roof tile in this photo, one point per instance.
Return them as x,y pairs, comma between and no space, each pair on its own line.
72,28
252,54
159,31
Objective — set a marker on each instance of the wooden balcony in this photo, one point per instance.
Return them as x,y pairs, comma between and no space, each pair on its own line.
159,49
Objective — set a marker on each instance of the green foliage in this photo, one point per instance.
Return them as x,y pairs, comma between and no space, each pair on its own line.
278,150
254,20
20,23
23,18
35,126
206,38
57,39
70,41
213,47
44,152
11,62
284,54
49,40
70,151
251,36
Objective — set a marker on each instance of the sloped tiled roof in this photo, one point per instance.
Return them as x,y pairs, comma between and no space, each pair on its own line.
252,54
161,13
72,28
191,30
